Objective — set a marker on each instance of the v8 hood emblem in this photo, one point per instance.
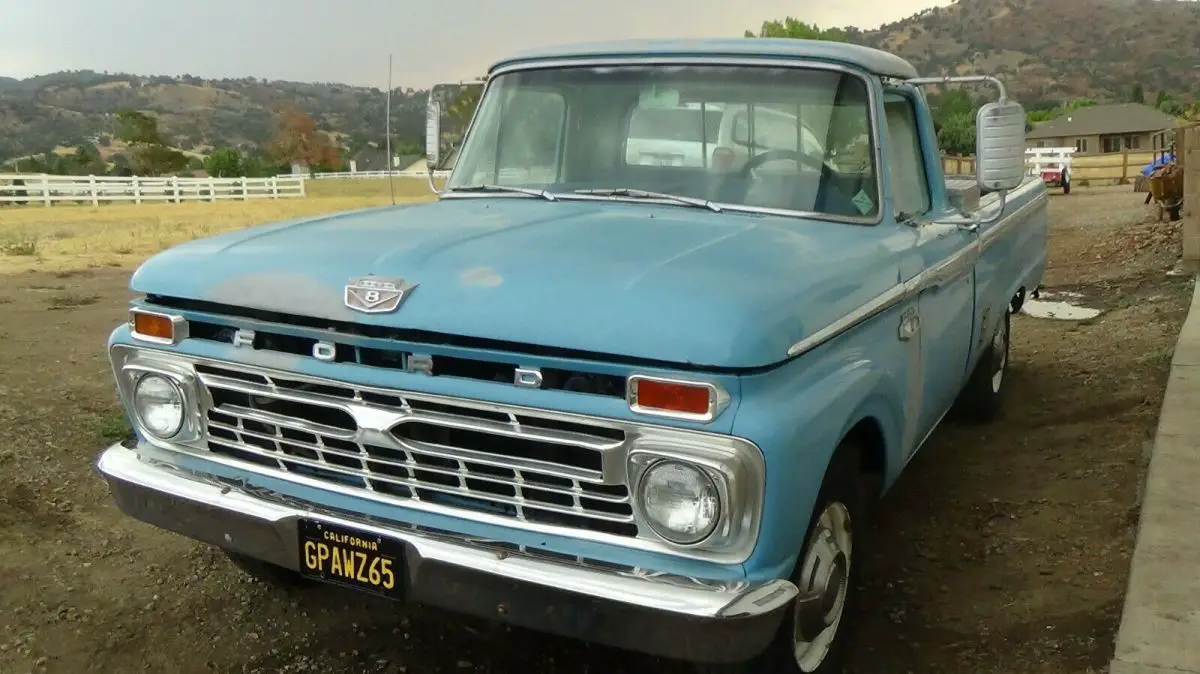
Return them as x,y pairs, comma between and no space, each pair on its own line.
377,294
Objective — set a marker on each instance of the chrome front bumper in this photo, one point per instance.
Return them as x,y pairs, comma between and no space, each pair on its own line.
671,617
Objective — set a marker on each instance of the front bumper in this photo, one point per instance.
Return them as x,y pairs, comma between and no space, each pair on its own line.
700,621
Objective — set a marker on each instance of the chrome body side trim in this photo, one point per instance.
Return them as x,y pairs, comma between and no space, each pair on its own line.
870,81
937,275
239,520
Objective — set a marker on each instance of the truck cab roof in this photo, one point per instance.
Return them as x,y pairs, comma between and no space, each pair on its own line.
867,58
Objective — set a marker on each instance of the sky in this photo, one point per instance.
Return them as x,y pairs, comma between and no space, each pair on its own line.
349,41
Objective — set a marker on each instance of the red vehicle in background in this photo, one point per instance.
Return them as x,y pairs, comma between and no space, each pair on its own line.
1053,164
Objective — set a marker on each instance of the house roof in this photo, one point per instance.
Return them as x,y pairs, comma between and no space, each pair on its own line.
867,58
1104,119
370,154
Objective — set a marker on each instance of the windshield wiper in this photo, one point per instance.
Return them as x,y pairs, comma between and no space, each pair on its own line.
506,188
646,194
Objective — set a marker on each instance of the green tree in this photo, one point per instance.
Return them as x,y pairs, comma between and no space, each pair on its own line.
796,29
88,161
462,106
225,162
151,156
1170,105
954,115
1138,95
156,160
137,128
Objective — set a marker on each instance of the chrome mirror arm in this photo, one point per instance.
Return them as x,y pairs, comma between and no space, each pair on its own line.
972,224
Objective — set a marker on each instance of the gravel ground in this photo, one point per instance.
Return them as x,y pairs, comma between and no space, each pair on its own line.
1003,549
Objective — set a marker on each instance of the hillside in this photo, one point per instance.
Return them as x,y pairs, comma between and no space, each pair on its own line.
1055,50
1047,51
70,108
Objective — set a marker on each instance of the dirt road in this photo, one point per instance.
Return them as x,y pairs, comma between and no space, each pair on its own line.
1004,549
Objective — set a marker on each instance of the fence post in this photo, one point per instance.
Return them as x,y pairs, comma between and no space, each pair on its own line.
274,187
212,190
175,188
302,184
92,187
245,190
45,191
137,190
1191,194
1124,166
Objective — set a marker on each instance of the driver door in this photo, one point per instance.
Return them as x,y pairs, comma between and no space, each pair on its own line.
940,324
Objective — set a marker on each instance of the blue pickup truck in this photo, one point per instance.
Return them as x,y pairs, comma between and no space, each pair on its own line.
648,404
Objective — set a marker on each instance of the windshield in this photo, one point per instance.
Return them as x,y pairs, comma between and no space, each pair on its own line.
796,139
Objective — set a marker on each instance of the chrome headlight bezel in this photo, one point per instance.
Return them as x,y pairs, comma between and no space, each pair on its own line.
130,365
737,470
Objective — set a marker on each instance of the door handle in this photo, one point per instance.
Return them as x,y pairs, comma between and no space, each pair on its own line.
972,228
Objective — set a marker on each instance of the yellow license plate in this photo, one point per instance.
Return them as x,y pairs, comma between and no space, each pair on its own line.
344,556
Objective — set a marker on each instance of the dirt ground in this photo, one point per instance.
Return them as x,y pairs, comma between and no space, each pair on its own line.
1004,548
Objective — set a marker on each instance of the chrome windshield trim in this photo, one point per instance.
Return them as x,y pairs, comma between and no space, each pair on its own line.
711,60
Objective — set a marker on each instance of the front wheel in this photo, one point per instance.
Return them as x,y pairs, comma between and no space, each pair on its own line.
813,638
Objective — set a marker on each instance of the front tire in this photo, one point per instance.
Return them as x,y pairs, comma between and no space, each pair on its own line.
815,642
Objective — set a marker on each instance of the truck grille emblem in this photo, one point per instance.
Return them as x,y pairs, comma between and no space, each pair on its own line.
377,294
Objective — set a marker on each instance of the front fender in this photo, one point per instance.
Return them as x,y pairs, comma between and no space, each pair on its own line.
800,413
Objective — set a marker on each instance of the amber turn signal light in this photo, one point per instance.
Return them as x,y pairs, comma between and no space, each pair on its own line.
157,328
665,397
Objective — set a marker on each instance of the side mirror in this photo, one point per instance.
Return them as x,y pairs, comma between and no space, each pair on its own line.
1000,146
433,133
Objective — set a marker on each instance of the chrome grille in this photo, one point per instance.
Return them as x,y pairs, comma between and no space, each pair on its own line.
399,446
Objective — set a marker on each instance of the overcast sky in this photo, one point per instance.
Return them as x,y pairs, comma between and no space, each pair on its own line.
349,40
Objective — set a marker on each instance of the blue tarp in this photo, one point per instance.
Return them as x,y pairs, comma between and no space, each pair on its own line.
1149,168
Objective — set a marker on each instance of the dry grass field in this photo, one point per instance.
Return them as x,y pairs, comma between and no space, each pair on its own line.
65,237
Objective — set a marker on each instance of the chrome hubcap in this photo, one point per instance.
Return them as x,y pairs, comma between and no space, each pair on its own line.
1000,358
825,573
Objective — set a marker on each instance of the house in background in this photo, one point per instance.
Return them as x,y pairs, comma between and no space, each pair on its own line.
1104,128
374,158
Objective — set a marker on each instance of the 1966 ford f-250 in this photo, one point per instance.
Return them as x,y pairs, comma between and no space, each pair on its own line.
594,389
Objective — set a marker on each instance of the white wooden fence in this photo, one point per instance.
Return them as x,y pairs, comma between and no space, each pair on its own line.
357,175
48,189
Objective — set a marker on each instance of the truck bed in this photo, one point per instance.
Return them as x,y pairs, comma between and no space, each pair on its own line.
963,191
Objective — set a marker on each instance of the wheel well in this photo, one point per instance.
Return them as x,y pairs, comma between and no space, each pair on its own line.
1018,300
867,436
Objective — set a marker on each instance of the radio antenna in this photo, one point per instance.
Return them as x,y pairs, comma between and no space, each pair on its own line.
388,127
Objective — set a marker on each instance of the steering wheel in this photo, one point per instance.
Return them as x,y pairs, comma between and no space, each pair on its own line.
782,155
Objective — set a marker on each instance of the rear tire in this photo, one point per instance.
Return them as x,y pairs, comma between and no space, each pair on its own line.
980,399
831,559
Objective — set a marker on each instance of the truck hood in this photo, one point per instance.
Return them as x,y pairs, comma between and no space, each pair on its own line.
666,283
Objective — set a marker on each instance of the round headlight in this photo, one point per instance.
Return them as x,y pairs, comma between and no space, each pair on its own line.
159,405
680,501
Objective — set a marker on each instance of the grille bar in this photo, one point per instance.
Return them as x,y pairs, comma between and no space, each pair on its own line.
406,448
408,463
